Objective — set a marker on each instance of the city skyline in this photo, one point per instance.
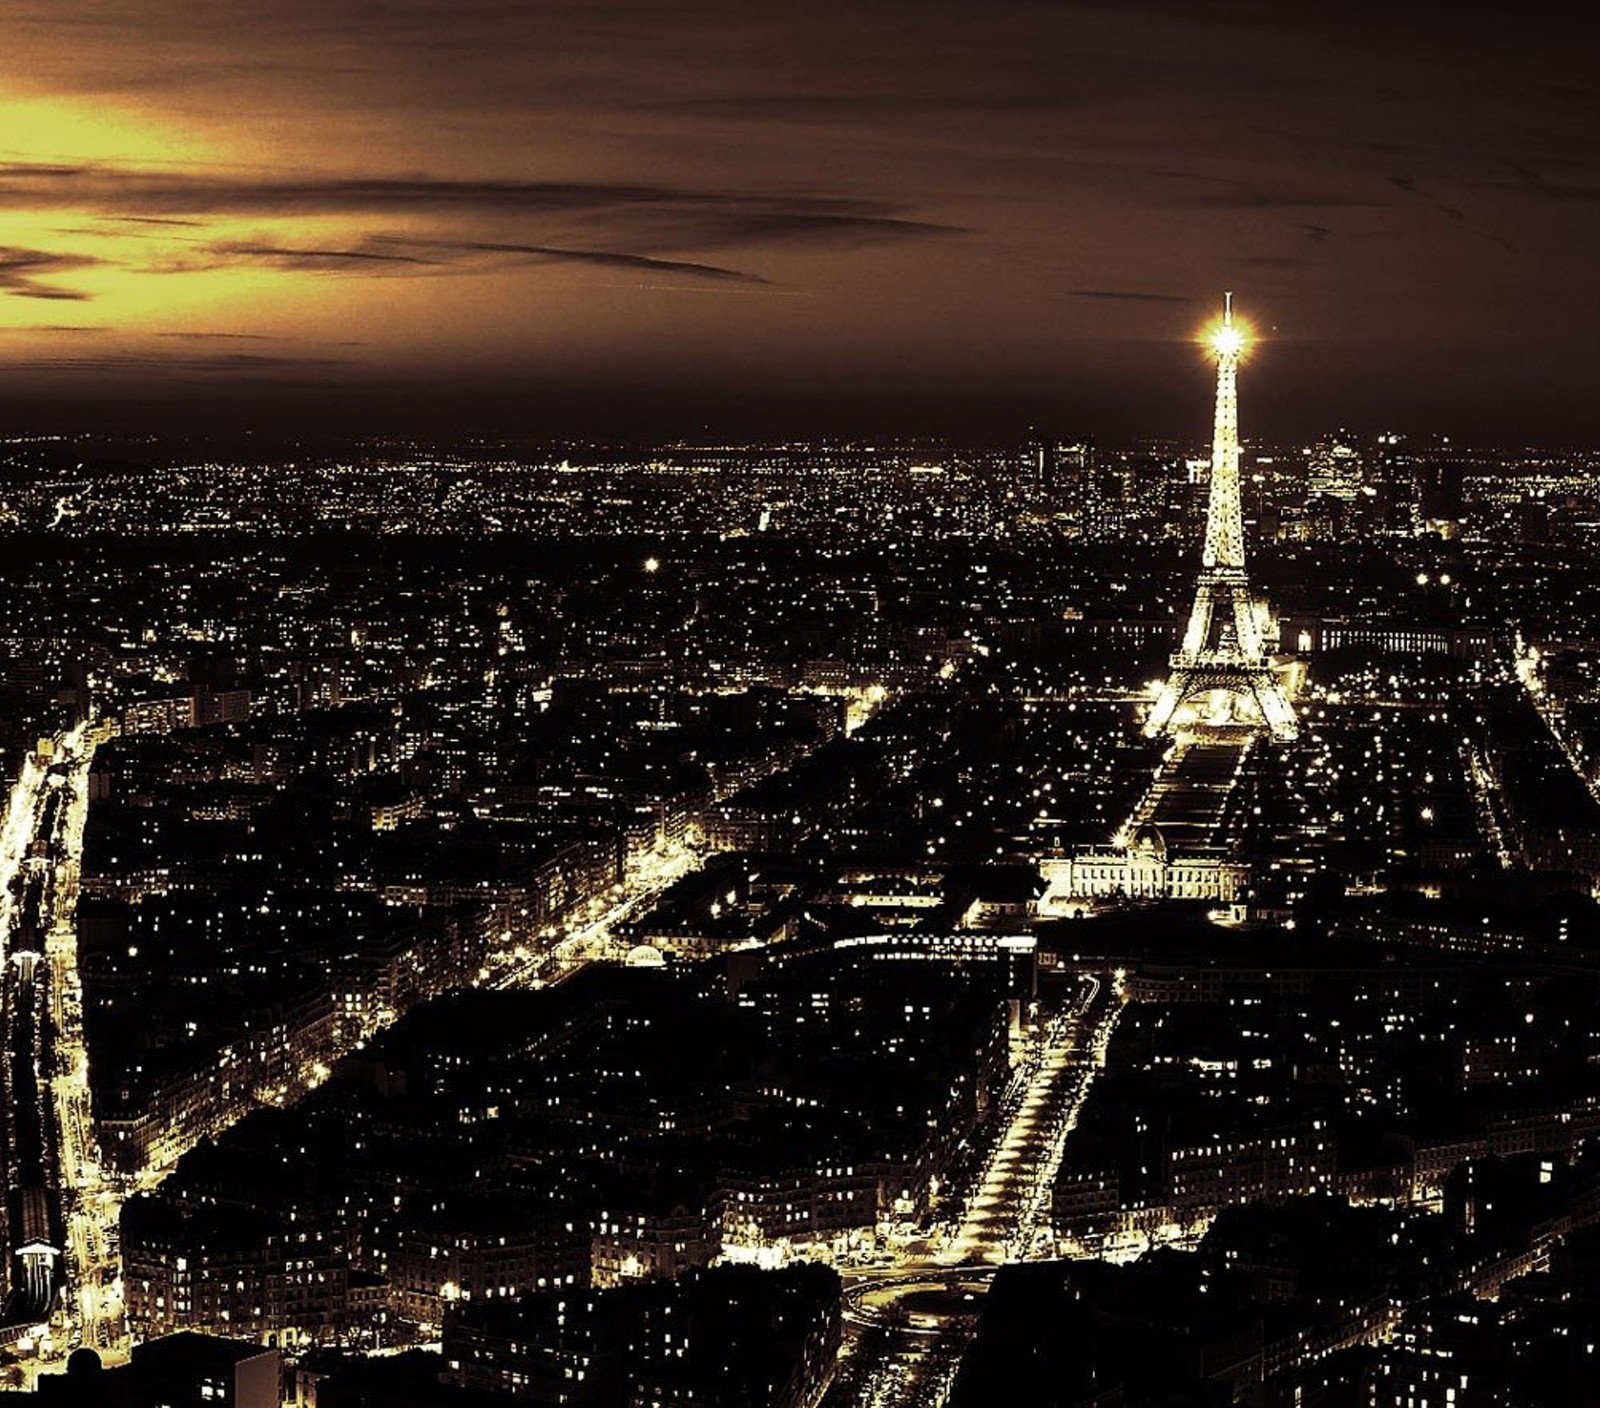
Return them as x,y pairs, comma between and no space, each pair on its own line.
744,892
865,705
752,220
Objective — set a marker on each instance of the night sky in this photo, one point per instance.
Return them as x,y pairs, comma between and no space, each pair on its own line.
763,218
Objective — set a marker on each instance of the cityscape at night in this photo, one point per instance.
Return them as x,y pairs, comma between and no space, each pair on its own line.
704,707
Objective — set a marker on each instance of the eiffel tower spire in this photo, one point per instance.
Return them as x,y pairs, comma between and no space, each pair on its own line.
1222,650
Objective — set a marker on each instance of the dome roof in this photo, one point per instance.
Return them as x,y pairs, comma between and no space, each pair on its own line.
1148,841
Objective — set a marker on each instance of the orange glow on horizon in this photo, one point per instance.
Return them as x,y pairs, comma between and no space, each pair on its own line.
81,264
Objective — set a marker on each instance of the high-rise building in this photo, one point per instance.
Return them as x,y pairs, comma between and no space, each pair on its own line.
1441,491
1395,486
1063,473
1333,467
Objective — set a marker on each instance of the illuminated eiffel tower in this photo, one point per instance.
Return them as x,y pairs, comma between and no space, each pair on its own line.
1222,670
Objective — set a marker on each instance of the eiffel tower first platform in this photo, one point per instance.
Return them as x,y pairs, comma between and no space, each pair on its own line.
1221,674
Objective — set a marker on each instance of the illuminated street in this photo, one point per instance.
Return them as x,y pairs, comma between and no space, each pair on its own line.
1007,1216
80,1302
906,1334
91,1202
590,936
908,1325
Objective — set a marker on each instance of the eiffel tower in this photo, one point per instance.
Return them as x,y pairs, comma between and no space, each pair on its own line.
1222,659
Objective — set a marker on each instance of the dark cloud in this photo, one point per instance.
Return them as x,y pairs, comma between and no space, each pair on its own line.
137,363
734,226
1547,189
341,261
1130,297
44,170
605,258
159,220
439,255
22,269
832,108
220,336
723,216
1247,198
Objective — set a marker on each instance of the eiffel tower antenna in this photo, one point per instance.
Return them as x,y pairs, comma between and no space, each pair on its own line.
1222,651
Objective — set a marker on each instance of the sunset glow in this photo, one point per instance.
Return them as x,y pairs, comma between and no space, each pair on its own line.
540,209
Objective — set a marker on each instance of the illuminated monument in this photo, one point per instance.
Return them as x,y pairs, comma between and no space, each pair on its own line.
1222,675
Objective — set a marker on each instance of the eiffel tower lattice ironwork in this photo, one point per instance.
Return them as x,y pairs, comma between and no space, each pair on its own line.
1222,648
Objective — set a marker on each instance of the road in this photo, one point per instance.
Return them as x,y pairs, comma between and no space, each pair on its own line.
61,1214
906,1335
66,1288
908,1324
590,935
1007,1215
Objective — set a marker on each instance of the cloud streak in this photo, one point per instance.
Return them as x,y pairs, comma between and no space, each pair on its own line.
21,272
75,328
140,363
152,196
438,256
219,336
1128,296
341,261
482,225
609,259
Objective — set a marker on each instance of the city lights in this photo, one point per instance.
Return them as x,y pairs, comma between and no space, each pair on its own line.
637,914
